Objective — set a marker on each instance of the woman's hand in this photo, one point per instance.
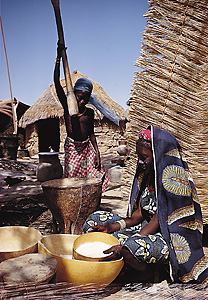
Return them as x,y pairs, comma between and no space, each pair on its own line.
60,48
100,228
116,253
110,228
97,161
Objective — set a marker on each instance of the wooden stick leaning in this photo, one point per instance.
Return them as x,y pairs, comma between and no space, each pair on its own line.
14,114
72,102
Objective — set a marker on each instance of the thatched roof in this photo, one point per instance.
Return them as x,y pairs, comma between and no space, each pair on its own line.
48,105
170,91
6,108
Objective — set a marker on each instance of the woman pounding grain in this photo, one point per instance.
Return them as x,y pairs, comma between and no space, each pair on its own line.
164,222
82,156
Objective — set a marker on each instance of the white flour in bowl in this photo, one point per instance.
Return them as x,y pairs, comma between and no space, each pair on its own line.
93,249
66,256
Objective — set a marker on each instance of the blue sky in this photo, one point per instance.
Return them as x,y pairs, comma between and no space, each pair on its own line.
103,39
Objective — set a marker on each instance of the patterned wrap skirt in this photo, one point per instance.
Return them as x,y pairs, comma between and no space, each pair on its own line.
151,248
79,161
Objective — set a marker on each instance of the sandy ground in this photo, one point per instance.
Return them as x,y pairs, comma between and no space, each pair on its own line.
28,192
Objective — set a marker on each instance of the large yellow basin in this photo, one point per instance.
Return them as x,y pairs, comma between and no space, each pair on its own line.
78,272
18,240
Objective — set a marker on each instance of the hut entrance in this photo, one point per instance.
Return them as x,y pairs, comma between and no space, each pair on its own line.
49,135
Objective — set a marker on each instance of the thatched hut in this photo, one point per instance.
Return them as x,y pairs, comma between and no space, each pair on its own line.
6,118
44,121
6,121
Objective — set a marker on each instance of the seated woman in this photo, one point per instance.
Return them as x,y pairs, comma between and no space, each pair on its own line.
164,222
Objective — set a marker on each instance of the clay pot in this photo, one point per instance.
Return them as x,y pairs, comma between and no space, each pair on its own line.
49,166
122,149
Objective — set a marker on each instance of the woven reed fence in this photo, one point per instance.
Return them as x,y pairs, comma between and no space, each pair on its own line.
170,90
63,290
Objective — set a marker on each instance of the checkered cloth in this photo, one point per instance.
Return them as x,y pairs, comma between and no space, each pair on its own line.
79,161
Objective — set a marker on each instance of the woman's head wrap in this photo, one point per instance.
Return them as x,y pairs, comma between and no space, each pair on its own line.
144,139
83,84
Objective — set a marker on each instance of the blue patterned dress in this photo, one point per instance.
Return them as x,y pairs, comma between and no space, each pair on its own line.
151,248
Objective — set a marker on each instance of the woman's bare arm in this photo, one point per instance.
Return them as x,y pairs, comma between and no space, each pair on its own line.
59,90
151,227
135,219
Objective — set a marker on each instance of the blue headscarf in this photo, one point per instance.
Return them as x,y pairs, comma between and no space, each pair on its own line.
83,84
104,110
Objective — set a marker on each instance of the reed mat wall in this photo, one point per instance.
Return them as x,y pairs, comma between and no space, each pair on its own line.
170,90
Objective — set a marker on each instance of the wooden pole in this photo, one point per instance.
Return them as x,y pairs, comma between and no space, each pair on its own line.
10,86
71,99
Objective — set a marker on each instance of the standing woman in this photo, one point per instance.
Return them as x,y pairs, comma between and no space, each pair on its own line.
164,222
82,156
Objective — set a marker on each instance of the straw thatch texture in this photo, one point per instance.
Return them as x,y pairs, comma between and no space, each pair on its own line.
170,90
64,290
6,108
48,105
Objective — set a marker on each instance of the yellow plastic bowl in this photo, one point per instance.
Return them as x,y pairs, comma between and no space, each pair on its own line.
78,272
18,240
90,238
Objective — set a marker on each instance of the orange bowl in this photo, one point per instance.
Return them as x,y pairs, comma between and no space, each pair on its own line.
78,272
